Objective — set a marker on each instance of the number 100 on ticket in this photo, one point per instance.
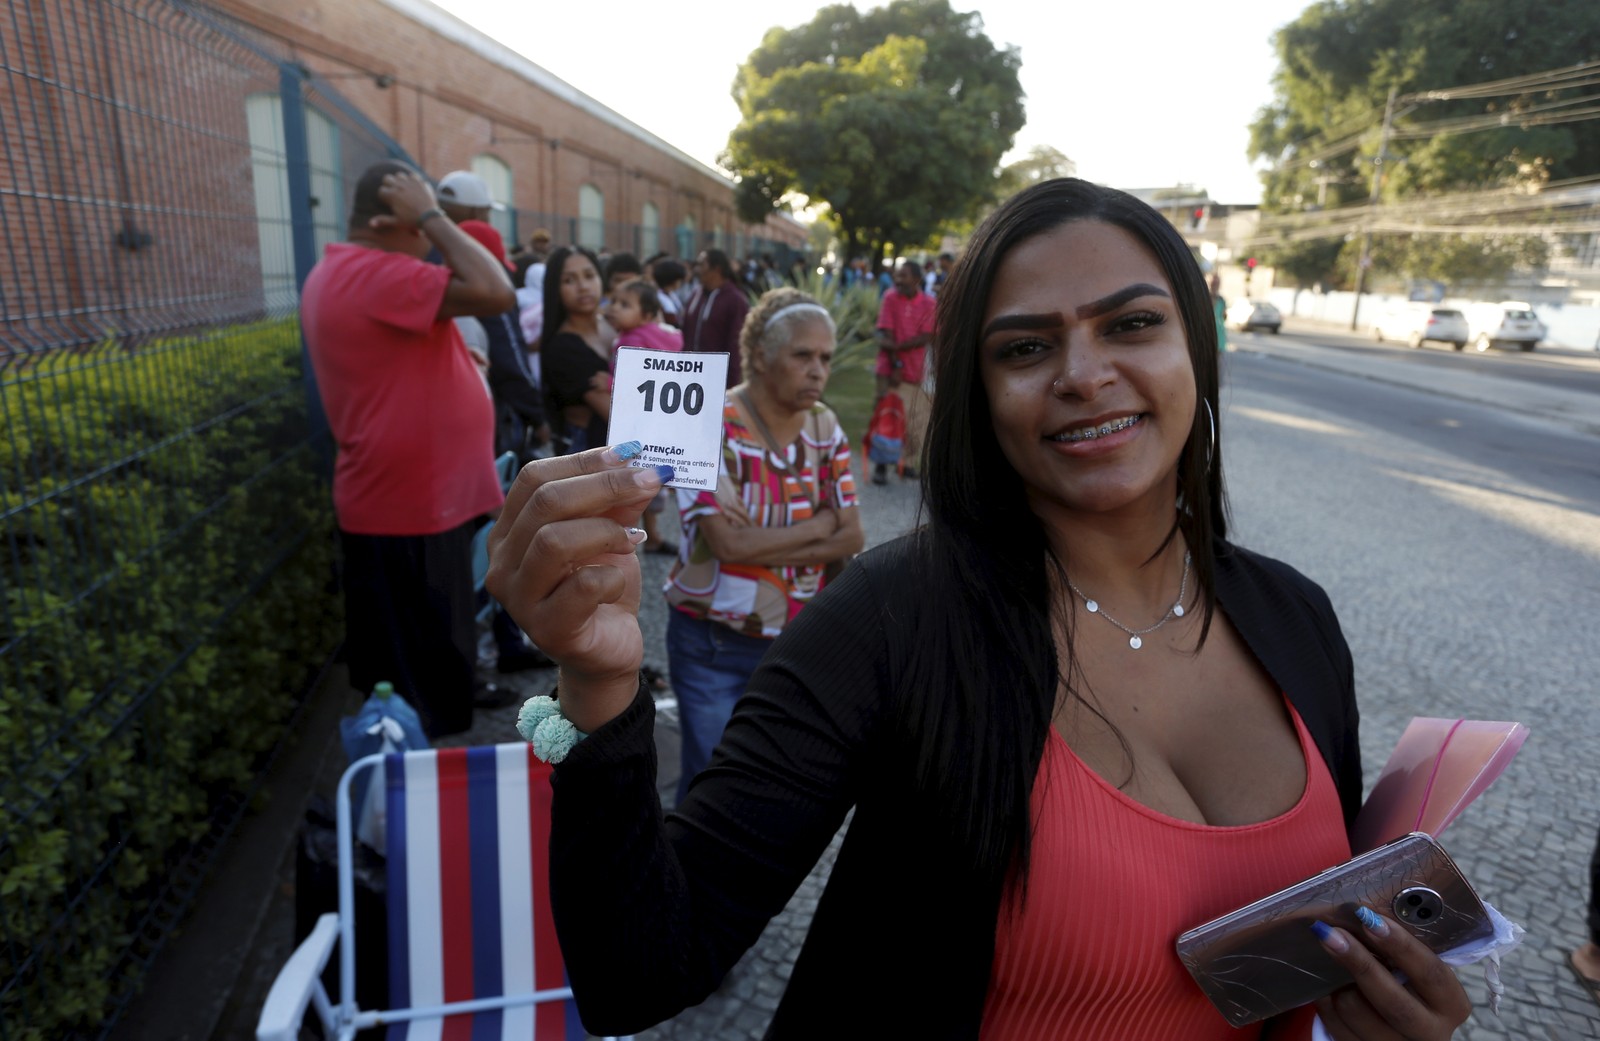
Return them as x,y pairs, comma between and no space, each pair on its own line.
672,404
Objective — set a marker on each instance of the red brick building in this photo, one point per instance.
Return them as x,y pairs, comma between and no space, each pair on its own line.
457,99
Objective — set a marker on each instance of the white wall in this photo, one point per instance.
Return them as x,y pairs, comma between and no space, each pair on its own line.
1573,327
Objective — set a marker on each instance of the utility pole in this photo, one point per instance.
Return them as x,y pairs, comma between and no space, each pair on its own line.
1377,188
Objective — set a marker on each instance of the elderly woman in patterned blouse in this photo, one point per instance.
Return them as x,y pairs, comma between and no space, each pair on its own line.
785,509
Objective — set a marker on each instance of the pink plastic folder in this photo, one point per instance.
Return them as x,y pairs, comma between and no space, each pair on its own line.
1438,767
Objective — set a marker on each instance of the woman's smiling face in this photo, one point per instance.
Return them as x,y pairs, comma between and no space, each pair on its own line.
1087,372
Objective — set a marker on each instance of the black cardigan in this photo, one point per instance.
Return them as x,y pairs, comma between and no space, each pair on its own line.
653,913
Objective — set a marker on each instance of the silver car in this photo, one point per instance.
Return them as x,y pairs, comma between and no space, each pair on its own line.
1418,325
1245,315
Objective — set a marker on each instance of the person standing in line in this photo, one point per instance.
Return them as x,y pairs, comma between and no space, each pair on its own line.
622,267
524,257
521,429
905,328
668,277
715,313
463,195
539,245
1585,961
937,274
415,431
575,351
520,424
757,548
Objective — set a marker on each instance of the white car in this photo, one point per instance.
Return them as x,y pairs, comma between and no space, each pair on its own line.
1245,315
1419,324
1508,323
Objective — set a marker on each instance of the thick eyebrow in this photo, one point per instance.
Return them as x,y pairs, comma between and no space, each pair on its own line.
1112,301
1021,321
1106,304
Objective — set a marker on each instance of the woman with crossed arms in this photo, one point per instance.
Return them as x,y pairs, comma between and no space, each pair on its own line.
757,549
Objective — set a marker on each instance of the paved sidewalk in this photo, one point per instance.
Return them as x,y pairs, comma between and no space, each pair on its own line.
1573,409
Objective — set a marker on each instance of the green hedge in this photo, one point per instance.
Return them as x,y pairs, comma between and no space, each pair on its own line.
167,593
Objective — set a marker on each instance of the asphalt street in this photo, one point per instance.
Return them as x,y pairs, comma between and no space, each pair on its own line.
1580,369
1457,529
1460,544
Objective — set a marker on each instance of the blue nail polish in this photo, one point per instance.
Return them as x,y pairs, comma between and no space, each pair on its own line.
1371,921
666,473
627,450
1331,938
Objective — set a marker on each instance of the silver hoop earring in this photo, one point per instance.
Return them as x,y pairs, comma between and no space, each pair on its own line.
1211,422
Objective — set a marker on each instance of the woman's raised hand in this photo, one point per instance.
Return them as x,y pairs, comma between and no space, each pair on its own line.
1377,1007
561,562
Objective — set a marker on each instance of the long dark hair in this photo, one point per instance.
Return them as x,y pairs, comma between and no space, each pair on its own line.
555,312
976,707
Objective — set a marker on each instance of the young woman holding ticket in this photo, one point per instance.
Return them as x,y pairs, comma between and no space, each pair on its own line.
1071,718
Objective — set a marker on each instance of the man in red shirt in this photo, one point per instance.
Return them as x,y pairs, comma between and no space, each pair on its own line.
415,430
905,328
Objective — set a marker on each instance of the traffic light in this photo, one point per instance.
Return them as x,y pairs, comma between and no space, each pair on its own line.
1249,268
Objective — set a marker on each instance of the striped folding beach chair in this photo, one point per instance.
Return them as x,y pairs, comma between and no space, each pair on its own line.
472,947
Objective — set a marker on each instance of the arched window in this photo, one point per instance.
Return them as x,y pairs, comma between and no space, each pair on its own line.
687,247
717,238
497,175
269,168
591,217
327,179
650,230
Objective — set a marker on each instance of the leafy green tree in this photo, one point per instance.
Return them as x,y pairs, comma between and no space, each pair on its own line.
896,118
1042,163
1307,263
1337,63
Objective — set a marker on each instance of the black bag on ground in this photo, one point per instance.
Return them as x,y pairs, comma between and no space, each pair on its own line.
316,892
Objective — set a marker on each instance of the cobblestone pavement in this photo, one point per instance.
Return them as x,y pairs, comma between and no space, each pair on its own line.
1465,589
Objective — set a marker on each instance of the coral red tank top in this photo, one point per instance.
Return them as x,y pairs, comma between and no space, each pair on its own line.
1113,883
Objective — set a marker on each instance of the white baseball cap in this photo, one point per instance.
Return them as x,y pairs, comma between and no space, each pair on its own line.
465,188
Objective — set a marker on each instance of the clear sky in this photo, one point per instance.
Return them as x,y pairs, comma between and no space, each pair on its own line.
1139,93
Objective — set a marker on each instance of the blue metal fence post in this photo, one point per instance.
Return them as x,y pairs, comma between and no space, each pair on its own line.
297,166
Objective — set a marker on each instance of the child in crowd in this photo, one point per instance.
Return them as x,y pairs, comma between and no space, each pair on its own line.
635,313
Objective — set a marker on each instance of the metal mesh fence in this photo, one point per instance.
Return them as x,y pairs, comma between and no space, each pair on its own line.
167,179
165,572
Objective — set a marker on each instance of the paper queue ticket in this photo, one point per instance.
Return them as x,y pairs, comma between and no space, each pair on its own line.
672,404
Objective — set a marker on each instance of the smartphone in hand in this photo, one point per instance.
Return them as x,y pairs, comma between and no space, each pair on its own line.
1264,959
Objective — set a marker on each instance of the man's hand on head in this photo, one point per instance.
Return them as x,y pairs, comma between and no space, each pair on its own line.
408,196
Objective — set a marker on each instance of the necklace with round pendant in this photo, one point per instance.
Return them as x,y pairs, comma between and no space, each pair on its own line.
1136,636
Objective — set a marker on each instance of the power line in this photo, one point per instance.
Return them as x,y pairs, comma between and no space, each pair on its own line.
1517,119
1547,79
1572,77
